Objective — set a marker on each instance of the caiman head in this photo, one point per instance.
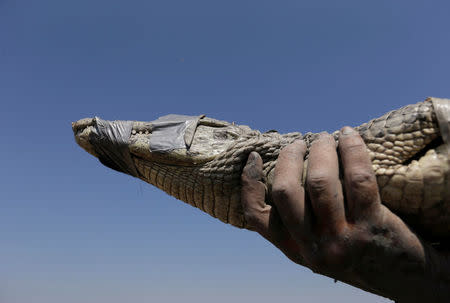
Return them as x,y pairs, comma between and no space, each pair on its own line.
193,158
173,140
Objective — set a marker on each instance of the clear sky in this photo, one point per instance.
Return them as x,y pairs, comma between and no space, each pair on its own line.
72,230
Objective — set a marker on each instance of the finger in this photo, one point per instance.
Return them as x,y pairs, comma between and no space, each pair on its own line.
261,217
323,185
360,183
287,190
256,211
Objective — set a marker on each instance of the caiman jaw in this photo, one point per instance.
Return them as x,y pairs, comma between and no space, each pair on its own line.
207,139
81,130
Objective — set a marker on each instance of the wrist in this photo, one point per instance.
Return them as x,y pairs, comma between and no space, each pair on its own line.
440,275
404,269
433,285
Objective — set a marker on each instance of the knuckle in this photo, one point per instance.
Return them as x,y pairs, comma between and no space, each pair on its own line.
361,179
245,179
353,145
283,190
318,182
251,173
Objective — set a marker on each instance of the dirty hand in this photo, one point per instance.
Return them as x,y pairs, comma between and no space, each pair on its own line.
357,239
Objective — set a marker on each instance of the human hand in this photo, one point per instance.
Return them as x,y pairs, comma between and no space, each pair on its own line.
357,239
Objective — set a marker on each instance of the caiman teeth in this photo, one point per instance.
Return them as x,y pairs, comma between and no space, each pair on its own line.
142,127
82,124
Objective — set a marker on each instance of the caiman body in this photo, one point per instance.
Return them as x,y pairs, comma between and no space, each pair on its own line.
409,149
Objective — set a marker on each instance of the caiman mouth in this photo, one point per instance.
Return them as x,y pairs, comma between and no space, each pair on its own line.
172,140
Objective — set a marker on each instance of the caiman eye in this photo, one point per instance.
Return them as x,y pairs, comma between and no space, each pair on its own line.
223,134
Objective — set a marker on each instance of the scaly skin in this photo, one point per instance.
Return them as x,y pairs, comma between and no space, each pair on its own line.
409,157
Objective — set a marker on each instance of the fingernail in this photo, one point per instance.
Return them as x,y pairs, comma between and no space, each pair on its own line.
322,135
299,142
347,130
252,157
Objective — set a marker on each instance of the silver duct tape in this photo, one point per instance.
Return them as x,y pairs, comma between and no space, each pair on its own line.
173,132
442,110
110,141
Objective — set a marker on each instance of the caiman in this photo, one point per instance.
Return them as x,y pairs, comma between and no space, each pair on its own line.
199,160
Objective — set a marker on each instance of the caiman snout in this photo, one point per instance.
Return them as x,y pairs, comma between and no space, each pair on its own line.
81,124
81,130
108,141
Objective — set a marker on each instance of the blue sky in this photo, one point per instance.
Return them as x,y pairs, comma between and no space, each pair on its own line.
72,230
